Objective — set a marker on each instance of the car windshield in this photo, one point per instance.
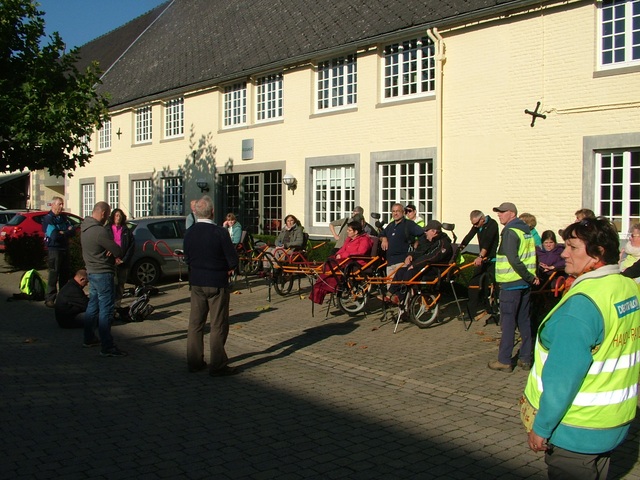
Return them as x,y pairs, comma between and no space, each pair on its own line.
17,220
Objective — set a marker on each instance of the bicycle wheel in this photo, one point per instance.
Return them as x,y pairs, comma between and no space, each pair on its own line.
282,282
423,309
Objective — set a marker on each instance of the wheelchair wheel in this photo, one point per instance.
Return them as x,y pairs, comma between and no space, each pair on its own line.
353,293
352,298
249,265
282,282
423,309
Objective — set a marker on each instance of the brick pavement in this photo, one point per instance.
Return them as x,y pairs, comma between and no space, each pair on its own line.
323,398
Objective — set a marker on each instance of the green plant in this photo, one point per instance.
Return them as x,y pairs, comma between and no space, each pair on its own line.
75,253
25,252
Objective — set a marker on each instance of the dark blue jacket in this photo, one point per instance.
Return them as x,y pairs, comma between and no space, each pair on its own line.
52,225
210,255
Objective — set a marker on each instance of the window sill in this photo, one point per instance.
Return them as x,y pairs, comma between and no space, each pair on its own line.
390,102
612,71
333,111
172,139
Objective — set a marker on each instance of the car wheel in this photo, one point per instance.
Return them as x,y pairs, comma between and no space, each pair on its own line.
146,272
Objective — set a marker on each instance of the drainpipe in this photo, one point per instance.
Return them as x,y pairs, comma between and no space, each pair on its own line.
438,42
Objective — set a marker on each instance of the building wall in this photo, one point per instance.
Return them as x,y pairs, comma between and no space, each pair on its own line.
492,72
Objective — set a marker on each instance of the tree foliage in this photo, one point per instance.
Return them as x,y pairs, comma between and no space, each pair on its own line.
48,109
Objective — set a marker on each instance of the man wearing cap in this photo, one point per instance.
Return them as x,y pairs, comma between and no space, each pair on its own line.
433,247
339,227
412,214
515,273
486,228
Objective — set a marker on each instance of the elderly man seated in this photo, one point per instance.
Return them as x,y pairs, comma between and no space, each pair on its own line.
433,247
71,302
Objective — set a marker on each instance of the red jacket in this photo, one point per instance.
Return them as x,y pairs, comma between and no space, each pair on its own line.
360,245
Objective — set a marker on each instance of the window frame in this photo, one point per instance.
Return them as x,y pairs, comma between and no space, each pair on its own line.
618,172
144,125
398,59
173,196
112,194
627,35
141,201
337,83
234,112
104,136
88,198
339,186
269,97
174,118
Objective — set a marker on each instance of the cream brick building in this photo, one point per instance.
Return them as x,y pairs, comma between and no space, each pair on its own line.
369,103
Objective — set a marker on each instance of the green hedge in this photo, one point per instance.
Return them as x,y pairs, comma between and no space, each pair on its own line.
27,251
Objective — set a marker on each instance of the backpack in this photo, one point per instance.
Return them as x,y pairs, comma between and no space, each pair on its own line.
32,285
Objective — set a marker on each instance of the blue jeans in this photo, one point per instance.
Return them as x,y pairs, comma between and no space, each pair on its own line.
100,309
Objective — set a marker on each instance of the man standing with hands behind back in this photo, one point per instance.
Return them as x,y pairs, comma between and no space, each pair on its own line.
212,258
515,273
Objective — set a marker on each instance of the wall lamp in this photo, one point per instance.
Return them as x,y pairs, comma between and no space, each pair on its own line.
290,181
202,185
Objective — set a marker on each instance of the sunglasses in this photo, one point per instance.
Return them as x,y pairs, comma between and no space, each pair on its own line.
408,210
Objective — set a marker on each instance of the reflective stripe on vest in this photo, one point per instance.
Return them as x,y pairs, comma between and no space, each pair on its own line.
527,254
608,395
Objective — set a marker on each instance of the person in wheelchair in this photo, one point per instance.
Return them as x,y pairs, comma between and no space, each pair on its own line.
549,255
434,247
357,243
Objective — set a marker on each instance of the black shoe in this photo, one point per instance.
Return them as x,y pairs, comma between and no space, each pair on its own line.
526,366
224,371
95,342
113,352
198,369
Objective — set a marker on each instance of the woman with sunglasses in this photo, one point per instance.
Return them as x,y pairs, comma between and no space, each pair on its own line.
411,213
581,394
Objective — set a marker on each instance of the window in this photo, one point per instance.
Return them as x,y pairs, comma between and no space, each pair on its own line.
143,124
269,101
410,182
141,198
409,68
620,32
334,193
104,136
174,118
88,199
618,187
235,105
113,194
337,82
172,195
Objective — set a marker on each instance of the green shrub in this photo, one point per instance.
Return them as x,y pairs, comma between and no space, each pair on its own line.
75,254
25,252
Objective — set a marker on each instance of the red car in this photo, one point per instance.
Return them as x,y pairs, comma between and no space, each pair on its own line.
29,223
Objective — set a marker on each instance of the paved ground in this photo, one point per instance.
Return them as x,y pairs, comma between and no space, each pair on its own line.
317,397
